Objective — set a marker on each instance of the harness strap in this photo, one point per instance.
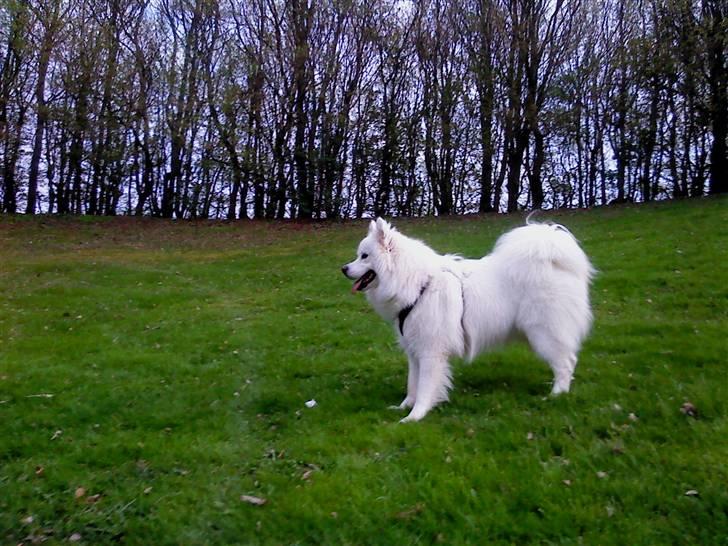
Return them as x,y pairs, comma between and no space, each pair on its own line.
404,313
466,340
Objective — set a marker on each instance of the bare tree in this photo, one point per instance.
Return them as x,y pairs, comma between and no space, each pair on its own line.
312,110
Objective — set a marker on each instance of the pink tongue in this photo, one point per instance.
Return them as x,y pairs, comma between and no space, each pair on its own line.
355,288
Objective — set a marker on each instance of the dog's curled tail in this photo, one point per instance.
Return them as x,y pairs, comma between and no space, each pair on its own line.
546,244
552,224
571,257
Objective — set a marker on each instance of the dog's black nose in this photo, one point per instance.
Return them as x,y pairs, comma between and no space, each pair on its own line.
345,269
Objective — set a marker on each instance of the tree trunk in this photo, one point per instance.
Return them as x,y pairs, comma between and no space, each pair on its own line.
41,119
515,161
718,81
535,182
301,27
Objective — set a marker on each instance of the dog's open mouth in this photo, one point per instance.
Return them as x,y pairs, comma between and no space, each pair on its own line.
362,282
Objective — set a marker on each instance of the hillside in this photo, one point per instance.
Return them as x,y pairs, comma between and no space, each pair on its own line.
153,372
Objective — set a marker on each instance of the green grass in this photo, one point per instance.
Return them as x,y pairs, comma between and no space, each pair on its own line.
179,357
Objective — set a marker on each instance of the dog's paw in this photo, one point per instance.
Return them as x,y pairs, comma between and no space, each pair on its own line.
559,388
406,404
414,416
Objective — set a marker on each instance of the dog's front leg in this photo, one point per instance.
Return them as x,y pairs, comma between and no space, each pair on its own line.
412,375
433,383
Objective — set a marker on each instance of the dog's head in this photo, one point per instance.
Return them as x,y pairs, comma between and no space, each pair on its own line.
373,257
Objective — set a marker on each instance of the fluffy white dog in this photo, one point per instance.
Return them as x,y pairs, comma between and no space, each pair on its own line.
535,284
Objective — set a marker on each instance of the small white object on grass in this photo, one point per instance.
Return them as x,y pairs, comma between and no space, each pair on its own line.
311,403
250,499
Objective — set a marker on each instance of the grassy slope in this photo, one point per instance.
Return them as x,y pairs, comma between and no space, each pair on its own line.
180,356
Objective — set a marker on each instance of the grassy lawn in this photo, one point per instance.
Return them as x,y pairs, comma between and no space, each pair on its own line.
152,373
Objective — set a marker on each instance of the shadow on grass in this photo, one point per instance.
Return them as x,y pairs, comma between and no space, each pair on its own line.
513,370
507,382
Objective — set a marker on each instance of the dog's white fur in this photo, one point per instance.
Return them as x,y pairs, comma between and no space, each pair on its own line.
535,284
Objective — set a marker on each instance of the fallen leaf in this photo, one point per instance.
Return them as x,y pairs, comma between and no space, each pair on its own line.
567,483
307,474
689,409
80,492
411,512
147,490
75,537
56,434
632,417
39,470
692,493
529,436
250,499
311,403
92,499
601,474
27,520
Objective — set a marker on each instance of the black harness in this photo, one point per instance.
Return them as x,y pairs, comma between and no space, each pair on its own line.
404,313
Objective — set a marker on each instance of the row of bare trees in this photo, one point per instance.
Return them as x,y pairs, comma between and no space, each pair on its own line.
347,108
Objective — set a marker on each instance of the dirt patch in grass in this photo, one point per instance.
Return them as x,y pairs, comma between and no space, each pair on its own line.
61,234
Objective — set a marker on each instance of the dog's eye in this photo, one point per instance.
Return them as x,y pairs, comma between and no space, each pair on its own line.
364,256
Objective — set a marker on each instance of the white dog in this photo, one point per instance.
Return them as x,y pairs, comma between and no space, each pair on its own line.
534,284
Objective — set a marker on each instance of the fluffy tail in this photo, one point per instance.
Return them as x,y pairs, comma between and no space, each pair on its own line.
528,218
572,257
545,243
555,225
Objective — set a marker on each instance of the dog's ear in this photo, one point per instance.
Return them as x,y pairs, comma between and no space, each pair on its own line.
372,227
384,233
382,225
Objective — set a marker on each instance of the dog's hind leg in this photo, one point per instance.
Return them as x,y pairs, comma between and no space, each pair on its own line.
560,358
563,369
412,375
433,382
